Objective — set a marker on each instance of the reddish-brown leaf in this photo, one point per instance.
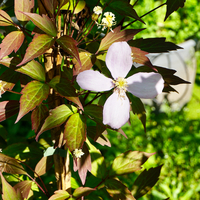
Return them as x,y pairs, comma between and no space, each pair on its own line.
60,195
5,19
8,109
12,42
39,45
82,191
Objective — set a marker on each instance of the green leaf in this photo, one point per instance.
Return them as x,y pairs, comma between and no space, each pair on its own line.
117,36
12,42
33,69
138,108
154,45
57,117
39,45
8,109
43,165
98,164
32,95
75,132
71,5
5,19
43,22
24,187
69,45
173,5
9,192
23,6
82,191
117,190
60,195
124,9
94,112
62,2
65,89
87,59
10,165
128,162
145,181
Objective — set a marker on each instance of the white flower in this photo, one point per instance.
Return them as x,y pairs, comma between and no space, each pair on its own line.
97,10
78,153
1,87
119,62
108,20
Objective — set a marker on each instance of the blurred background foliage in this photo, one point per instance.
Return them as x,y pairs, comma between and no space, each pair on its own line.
173,135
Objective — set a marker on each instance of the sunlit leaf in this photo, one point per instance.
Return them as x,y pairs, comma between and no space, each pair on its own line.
82,191
57,117
5,19
43,165
154,45
23,6
71,5
24,187
59,195
39,45
87,60
75,131
117,36
117,190
43,22
145,181
8,109
10,165
69,45
9,192
173,5
62,2
128,162
12,42
32,95
33,69
65,89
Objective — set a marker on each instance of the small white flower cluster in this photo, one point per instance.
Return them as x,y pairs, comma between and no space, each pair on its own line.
1,87
107,21
78,153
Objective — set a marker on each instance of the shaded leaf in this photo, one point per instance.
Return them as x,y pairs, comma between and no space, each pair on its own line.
98,164
43,22
145,181
39,45
33,69
38,116
8,109
24,187
5,19
75,132
87,59
50,6
9,192
82,191
60,195
65,89
173,5
124,9
128,162
117,36
154,45
62,2
69,45
57,117
32,95
138,108
43,165
23,6
12,42
94,112
117,190
10,165
10,62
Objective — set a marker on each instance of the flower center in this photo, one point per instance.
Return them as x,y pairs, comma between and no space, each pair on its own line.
120,86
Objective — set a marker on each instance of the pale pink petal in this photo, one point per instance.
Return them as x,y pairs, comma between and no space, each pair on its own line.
119,60
145,85
94,80
116,110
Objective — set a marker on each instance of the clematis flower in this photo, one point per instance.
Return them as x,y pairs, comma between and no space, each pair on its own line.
119,62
